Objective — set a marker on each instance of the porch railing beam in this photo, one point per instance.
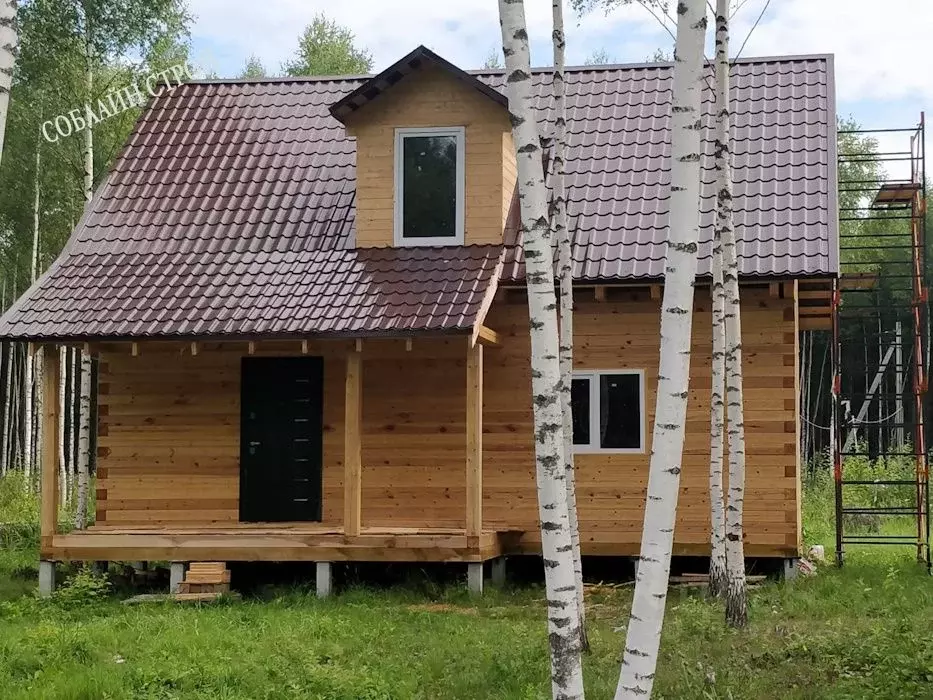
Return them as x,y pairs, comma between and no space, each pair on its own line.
352,460
474,441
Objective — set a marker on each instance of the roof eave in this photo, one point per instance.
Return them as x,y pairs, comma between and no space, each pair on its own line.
395,73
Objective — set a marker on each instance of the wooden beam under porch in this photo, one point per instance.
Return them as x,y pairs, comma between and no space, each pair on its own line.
274,542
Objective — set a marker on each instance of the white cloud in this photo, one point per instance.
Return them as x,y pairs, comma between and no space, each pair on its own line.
881,48
462,31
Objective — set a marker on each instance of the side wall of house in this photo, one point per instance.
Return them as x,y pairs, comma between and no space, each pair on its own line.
623,334
433,98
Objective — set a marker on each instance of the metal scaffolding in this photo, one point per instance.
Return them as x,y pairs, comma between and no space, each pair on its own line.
880,345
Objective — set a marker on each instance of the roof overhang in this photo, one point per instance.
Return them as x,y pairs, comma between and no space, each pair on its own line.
417,60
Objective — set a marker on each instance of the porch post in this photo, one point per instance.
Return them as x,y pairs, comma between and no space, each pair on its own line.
474,441
50,415
352,465
48,520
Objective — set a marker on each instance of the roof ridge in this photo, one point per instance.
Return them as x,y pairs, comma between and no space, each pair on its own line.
500,71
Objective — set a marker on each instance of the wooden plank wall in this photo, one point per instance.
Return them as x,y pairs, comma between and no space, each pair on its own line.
611,488
169,432
433,99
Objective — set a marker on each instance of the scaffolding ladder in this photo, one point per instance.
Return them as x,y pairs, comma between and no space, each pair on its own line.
880,346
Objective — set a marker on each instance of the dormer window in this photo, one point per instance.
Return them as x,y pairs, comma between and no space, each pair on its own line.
429,186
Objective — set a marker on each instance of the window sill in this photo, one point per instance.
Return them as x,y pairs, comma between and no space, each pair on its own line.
583,450
428,242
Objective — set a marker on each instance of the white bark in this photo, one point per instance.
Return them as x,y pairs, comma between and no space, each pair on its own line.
62,440
717,561
736,594
8,49
37,420
560,235
84,442
84,400
31,444
7,413
563,618
647,617
88,131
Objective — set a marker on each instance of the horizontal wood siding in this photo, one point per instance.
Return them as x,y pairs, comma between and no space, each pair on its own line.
170,428
611,487
432,99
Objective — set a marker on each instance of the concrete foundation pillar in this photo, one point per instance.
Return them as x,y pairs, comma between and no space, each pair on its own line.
176,576
324,579
46,578
498,572
475,577
790,569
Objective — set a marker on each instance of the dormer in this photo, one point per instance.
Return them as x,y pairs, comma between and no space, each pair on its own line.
435,164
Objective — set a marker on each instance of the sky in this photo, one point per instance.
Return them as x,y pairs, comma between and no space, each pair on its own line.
884,77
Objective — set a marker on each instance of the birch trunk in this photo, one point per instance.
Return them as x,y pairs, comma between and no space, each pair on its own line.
84,400
643,638
37,421
736,594
7,397
84,442
8,49
563,618
62,424
561,235
717,560
31,447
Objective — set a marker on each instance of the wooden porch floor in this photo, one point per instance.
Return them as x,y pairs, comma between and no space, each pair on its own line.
273,542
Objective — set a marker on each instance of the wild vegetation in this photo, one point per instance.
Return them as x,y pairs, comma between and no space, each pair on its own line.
862,631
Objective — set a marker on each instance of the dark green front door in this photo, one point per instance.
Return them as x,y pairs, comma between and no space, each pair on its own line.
281,446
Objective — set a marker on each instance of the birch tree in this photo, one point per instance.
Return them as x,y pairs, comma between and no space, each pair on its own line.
563,618
643,637
8,46
736,595
717,560
560,235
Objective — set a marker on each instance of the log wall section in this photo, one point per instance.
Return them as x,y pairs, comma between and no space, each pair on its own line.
169,430
169,426
623,333
433,98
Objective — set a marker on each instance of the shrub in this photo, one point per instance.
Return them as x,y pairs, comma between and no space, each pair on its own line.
19,502
84,587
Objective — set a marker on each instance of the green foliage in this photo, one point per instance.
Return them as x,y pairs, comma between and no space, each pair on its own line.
327,48
19,504
862,631
253,70
493,59
86,586
49,81
599,57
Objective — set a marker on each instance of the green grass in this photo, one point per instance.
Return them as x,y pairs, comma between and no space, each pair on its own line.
860,632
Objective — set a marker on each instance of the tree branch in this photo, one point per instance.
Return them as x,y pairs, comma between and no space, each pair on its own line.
750,31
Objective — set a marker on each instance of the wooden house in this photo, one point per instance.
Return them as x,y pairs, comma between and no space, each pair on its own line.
305,296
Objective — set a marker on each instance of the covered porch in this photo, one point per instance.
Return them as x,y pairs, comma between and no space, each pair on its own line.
148,494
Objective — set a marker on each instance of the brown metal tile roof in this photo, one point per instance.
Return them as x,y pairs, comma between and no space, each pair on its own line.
784,146
230,192
353,293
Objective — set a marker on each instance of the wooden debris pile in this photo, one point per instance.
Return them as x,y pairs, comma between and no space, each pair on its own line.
204,580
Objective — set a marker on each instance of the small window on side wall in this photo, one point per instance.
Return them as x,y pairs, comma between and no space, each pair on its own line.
608,411
429,186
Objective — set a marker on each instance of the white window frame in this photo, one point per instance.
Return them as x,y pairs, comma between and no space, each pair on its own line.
594,446
400,134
